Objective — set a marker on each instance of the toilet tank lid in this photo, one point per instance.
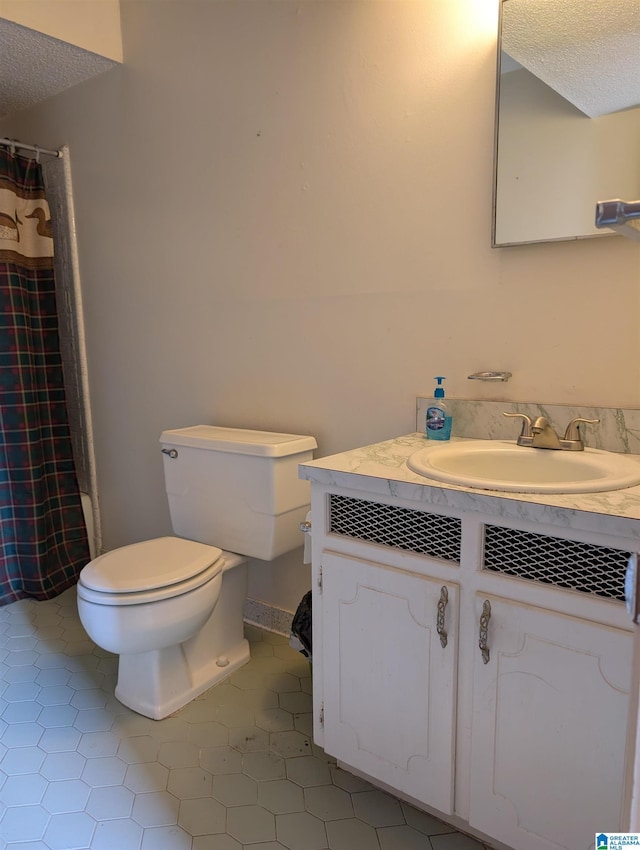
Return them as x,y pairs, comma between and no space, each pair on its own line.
149,565
239,440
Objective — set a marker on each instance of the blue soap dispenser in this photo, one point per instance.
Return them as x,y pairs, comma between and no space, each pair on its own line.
438,419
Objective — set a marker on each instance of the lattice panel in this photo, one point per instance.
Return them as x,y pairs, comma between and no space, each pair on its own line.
402,528
585,567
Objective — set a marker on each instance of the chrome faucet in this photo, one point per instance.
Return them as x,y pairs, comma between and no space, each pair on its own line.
539,434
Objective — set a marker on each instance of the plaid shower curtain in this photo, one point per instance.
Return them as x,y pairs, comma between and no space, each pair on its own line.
43,539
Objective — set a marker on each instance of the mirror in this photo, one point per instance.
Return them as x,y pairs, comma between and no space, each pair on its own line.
567,118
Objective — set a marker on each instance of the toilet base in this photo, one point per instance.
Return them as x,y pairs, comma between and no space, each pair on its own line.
158,682
142,687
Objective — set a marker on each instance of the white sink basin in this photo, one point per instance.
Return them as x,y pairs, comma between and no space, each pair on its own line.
502,465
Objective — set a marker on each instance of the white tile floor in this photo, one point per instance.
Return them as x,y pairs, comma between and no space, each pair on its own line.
234,769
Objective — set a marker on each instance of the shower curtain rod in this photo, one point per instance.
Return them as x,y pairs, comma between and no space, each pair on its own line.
12,143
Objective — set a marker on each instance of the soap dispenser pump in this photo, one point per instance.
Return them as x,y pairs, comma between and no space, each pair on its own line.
438,420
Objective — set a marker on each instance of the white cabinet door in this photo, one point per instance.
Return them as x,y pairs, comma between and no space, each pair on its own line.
389,684
549,728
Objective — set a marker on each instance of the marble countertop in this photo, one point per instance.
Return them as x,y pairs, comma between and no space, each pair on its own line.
380,469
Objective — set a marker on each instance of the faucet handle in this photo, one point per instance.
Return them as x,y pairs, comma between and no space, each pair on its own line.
526,423
573,428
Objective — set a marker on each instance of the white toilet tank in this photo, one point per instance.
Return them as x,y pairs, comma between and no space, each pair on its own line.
237,489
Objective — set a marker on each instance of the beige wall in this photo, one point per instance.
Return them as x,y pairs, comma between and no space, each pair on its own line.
284,222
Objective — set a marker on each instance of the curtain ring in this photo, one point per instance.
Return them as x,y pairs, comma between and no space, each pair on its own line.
12,148
37,150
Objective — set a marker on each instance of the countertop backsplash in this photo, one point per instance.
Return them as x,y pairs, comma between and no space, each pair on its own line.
618,430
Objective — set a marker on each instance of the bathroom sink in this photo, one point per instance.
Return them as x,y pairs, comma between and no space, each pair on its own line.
505,466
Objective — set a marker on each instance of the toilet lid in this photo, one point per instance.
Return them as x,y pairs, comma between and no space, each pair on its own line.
151,564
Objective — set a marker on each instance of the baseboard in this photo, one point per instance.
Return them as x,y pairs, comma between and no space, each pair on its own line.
267,617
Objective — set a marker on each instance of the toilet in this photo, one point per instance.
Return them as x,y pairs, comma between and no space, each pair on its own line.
171,607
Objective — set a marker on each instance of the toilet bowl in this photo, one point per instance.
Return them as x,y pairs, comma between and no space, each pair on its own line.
177,628
171,607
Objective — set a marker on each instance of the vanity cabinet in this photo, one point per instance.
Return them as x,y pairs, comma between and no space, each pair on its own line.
495,702
390,665
548,728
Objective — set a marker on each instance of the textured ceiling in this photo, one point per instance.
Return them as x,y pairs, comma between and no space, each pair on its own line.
587,51
34,66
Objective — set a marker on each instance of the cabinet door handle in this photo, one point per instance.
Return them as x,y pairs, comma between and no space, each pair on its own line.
484,630
442,607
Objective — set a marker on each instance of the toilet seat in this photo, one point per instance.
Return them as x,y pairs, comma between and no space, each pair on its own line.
149,571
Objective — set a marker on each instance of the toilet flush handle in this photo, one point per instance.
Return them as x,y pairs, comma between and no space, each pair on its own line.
171,452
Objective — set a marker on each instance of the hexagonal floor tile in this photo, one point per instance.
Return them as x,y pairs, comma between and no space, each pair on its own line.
401,838
328,802
93,720
178,754
347,781
62,765
198,711
138,749
54,695
169,729
377,808
281,796
221,760
304,723
93,698
209,734
190,782
235,715
22,735
68,795
221,842
20,712
141,778
235,789
423,822
157,808
110,802
111,834
23,790
282,683
104,771
23,823
296,702
263,766
251,824
202,816
130,725
249,739
248,678
166,838
21,691
59,740
274,720
350,833
301,831
69,831
57,715
290,744
50,676
98,744
308,771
